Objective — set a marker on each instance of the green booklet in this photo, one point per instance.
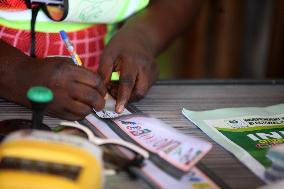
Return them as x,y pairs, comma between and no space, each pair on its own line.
248,133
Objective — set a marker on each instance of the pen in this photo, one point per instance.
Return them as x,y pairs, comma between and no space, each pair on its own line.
70,48
75,57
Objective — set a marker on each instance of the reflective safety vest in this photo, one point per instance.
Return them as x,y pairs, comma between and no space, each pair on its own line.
86,22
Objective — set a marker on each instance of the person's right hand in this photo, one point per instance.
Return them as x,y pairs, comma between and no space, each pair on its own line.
76,90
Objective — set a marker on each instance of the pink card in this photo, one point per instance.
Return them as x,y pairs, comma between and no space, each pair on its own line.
182,151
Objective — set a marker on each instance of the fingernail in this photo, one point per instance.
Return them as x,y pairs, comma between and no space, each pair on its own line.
106,96
120,109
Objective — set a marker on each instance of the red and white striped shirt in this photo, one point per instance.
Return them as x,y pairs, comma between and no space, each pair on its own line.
88,42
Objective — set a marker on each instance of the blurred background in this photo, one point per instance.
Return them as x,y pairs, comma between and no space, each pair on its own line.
229,39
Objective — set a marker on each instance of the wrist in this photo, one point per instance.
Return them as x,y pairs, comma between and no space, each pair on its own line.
11,71
144,35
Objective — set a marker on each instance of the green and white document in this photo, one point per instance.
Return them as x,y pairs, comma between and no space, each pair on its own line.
248,133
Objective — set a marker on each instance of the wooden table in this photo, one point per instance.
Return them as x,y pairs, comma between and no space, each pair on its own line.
165,101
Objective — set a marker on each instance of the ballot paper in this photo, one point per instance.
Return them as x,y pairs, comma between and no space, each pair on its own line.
276,171
194,179
174,151
180,150
248,133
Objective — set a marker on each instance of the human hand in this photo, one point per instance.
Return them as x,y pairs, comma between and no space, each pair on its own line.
128,53
76,89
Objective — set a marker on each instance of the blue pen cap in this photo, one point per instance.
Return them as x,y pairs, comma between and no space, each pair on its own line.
63,35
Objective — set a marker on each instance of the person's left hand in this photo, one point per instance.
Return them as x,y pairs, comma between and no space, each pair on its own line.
129,53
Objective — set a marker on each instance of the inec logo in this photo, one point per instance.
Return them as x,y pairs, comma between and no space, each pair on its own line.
134,128
236,123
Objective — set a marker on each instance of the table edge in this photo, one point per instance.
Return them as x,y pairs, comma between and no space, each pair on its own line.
221,82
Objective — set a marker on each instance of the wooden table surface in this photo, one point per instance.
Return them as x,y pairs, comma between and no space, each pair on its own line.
165,101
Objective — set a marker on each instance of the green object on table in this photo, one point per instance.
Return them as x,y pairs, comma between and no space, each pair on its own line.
40,94
39,98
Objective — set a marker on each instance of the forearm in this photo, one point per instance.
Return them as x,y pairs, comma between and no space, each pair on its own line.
162,21
10,61
19,72
10,58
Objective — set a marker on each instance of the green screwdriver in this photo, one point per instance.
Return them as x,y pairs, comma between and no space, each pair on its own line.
39,97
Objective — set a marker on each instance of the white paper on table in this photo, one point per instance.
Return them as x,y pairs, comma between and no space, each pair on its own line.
180,150
195,179
109,109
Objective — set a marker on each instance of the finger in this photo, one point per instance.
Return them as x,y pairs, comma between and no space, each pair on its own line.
67,115
105,68
114,92
141,87
113,88
91,79
144,82
88,96
126,84
58,113
77,110
73,111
